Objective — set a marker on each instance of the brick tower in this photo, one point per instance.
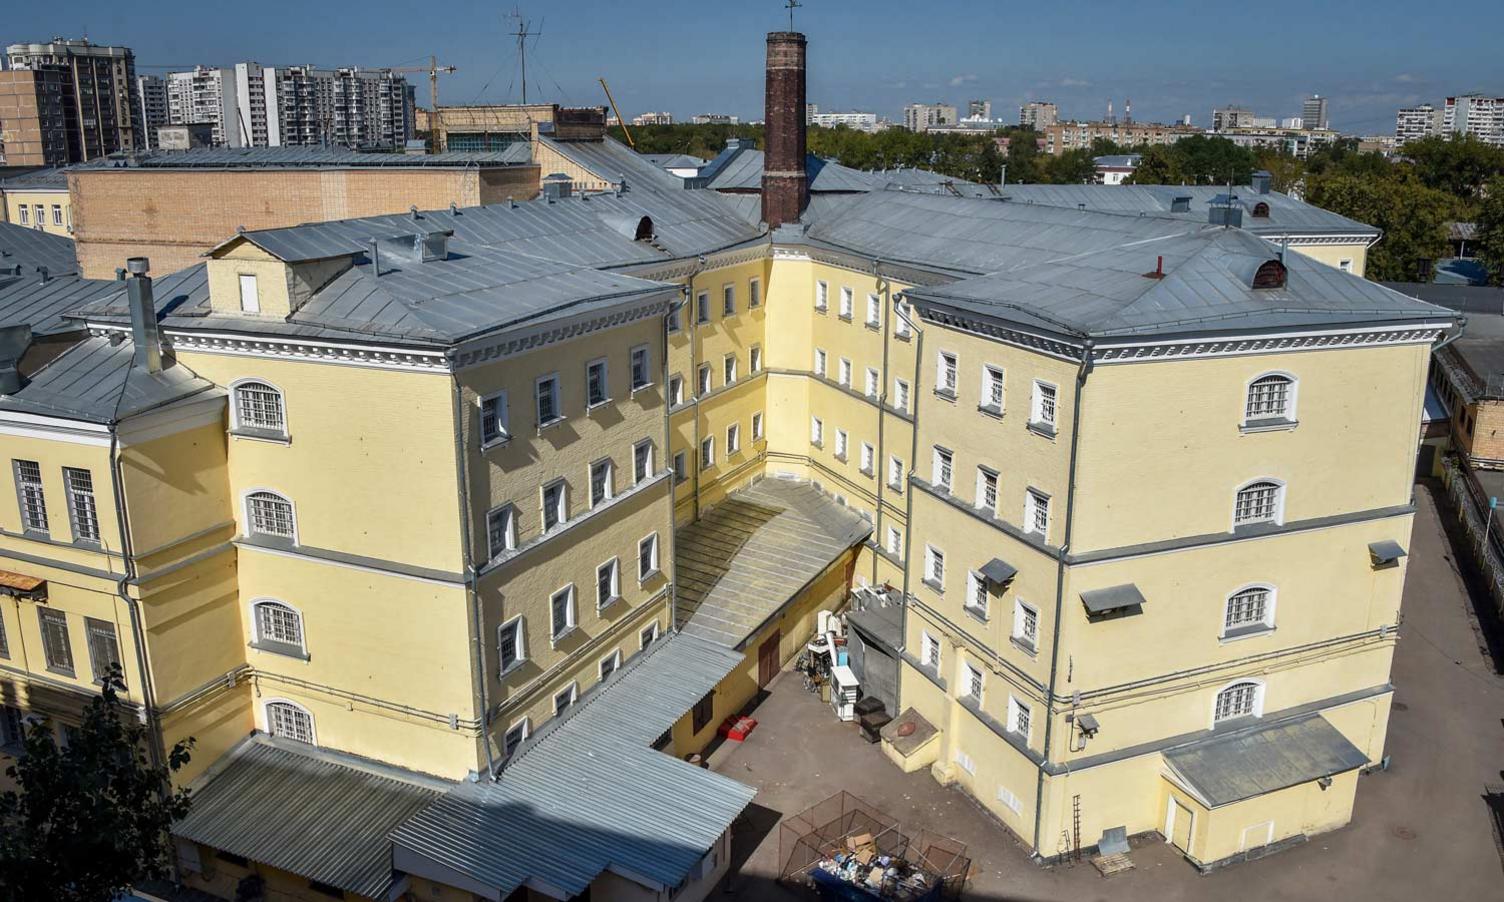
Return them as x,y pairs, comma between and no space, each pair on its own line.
785,184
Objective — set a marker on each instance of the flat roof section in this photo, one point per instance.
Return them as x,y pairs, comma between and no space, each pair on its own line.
1266,758
745,560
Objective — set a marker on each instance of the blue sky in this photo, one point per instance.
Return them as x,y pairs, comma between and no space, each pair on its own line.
1171,57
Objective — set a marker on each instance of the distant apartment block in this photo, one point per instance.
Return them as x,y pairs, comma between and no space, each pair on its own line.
653,119
978,109
205,96
714,119
1038,115
1293,122
1064,136
919,117
1298,142
1413,123
98,90
151,97
33,120
1313,112
1475,114
1227,117
862,122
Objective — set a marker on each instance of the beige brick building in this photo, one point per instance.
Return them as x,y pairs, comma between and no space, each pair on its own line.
33,125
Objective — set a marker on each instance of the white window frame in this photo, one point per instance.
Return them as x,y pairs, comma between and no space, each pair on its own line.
266,718
947,372
978,601
901,396
932,557
728,300
874,383
600,666
895,540
1292,396
561,511
1015,709
895,473
647,635
1252,627
647,473
681,467
754,293
518,627
817,432
1032,504
1036,405
83,505
675,390
525,725
930,651
869,458
707,452
614,595
754,360
1345,265
728,369
901,327
249,303
843,443
848,303
237,417
702,308
608,488
1279,502
843,371
973,682
874,310
987,480
551,379
994,375
573,691
757,426
1021,611
820,361
943,468
1257,700
733,439
245,507
605,369
655,562
571,613
705,382
258,637
509,534
822,296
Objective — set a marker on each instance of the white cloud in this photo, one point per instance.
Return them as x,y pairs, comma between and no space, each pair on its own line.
1074,83
1406,78
960,80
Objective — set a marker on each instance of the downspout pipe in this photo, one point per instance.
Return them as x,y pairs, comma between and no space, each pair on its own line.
673,480
908,505
122,589
691,325
884,291
472,589
1070,524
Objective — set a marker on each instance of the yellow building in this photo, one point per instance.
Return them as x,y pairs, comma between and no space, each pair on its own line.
449,534
39,200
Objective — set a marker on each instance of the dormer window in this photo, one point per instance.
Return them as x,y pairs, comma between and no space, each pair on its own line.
1261,210
644,229
250,294
1270,274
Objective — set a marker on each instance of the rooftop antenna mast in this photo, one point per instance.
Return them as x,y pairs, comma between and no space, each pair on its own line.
792,5
522,33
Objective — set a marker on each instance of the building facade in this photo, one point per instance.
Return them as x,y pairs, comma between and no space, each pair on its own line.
920,117
205,96
1411,123
1313,112
1064,136
1038,115
34,122
99,93
151,91
1477,115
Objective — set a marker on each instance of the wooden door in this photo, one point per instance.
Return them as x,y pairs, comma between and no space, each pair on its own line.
1180,826
767,659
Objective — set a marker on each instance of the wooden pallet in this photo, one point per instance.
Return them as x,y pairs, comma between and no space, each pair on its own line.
1108,865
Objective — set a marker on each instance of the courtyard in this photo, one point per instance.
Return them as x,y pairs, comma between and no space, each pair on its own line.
1422,829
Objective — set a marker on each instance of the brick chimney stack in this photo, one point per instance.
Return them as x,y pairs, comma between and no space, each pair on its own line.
785,183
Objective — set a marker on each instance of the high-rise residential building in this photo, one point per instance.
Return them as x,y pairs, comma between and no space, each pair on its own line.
1313,112
151,95
1477,115
204,95
1232,117
978,109
1064,136
1038,115
862,122
99,93
1412,123
33,119
919,117
1292,122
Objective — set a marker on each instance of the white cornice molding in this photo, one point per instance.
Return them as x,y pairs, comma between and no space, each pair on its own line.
686,267
958,322
390,358
56,429
491,349
1274,343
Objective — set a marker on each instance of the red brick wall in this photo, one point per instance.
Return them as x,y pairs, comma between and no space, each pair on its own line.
785,184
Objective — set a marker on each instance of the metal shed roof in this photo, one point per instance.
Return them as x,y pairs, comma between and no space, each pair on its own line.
998,571
1263,759
313,813
1286,214
740,563
1113,598
97,381
588,794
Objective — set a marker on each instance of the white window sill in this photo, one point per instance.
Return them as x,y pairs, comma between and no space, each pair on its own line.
495,442
938,587
601,403
947,394
840,457
1046,430
975,613
641,388
822,310
1030,650
262,435
511,668
1244,632
903,336
644,578
610,602
845,317
551,423
1273,424
866,471
560,637
989,410
874,326
282,649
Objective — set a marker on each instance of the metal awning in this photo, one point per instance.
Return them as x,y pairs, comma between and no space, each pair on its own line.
1263,759
998,571
1385,552
22,586
1113,598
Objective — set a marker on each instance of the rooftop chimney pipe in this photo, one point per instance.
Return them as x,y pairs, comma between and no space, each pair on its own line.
143,316
785,183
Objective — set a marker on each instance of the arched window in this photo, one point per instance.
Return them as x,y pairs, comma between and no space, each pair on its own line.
1271,397
1258,502
1261,210
289,721
1270,274
1237,700
259,406
644,229
269,514
278,623
1248,610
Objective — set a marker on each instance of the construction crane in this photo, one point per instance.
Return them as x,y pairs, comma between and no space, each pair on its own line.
433,69
612,100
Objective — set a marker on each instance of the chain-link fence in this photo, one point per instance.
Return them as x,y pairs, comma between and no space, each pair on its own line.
1483,526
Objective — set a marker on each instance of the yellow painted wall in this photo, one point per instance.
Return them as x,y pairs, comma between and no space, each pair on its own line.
1334,254
16,198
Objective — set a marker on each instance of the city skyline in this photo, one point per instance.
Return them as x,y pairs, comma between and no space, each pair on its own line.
1165,56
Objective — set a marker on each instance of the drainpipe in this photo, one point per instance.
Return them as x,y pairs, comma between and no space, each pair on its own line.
673,480
472,590
908,505
884,289
692,326
1070,523
122,519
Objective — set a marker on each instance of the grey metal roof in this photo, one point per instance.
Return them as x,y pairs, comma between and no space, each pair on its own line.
45,305
909,178
308,158
883,622
741,562
998,571
97,381
318,815
1286,214
31,248
1262,759
743,172
1113,598
1207,286
54,179
588,793
1463,298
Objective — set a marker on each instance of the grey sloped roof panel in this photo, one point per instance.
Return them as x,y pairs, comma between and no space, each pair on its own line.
998,571
784,534
53,179
32,248
1286,214
587,792
1262,759
744,173
307,812
97,381
1113,598
45,305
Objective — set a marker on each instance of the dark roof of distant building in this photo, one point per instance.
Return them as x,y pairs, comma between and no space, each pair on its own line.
307,158
54,179
34,247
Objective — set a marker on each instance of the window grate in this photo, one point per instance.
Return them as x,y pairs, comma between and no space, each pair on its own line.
259,406
1236,701
1258,503
270,514
1268,398
278,623
104,650
81,505
289,722
1248,607
55,645
33,500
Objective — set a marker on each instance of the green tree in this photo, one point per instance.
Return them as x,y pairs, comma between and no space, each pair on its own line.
87,821
1456,164
1489,242
1159,166
1284,169
1073,167
1414,219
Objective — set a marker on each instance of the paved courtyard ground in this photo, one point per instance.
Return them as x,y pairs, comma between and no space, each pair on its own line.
1421,832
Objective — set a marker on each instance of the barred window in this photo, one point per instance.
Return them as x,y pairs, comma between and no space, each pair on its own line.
56,648
1269,398
104,649
269,514
29,492
973,682
1237,700
1257,503
289,721
1019,717
1247,608
259,406
81,507
276,622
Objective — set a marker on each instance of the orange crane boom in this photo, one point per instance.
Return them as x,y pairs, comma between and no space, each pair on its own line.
624,130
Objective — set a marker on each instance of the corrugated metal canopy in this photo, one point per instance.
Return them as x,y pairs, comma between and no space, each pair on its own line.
748,556
1263,759
312,813
1385,552
588,794
1113,598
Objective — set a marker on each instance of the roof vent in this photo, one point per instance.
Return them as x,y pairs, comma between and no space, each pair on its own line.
414,211
556,186
454,209
1260,210
433,246
1159,269
1262,181
1181,204
1270,274
644,229
1228,214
